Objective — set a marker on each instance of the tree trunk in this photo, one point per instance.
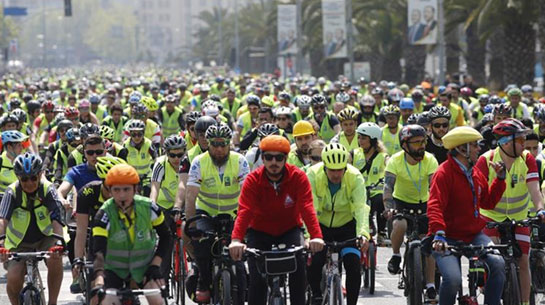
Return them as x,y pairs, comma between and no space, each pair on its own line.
452,52
475,56
519,56
541,31
415,61
496,43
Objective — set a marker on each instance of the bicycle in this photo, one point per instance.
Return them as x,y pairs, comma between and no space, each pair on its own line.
225,288
333,294
179,267
369,266
85,276
411,278
277,264
537,263
128,296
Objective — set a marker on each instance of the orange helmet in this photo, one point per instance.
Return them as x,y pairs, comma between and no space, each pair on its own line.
122,174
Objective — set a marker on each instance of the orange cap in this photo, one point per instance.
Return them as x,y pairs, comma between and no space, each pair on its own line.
122,174
275,143
425,85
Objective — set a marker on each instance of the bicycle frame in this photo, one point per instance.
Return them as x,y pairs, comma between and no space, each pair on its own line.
33,280
333,267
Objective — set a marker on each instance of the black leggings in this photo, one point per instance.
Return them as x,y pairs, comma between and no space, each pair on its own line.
377,206
257,294
351,263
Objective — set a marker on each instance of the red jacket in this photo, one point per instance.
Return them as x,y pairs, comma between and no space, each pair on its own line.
264,209
450,207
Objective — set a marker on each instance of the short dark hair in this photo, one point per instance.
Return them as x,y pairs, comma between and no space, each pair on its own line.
267,110
116,106
93,140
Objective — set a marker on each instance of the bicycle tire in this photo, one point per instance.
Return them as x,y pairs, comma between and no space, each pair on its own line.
337,291
372,259
37,278
415,276
178,273
511,290
537,294
223,292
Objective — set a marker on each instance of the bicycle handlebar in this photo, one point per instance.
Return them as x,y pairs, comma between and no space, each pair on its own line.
133,292
258,252
336,246
512,223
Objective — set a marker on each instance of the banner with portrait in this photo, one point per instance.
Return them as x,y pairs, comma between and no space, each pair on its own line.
287,29
422,22
334,28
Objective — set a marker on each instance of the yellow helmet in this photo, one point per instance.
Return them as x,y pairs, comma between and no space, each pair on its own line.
150,103
459,136
302,128
267,101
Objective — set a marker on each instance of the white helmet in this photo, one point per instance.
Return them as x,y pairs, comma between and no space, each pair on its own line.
370,129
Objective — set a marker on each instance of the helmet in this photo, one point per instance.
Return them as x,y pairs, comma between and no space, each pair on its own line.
395,95
370,129
174,142
540,114
20,114
302,128
32,105
514,91
484,98
27,164
424,118
391,109
318,99
89,129
94,99
211,109
347,114
488,108
282,111
417,95
342,97
203,123
150,103
214,97
107,132
84,104
509,127
48,105
413,118
527,89
275,143
460,135
192,117
487,118
10,118
335,156
502,109
377,91
439,111
494,99
136,125
465,91
122,174
10,136
267,129
481,90
105,163
71,112
406,103
410,131
367,100
14,103
253,100
65,124
134,98
304,101
73,134
139,109
220,130
284,96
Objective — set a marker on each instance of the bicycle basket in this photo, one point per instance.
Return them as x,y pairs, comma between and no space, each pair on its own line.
280,262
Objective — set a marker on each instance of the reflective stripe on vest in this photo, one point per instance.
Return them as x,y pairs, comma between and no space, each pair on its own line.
140,159
168,186
219,195
170,122
515,200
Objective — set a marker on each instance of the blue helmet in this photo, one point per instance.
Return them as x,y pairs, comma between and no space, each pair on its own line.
27,164
13,136
406,103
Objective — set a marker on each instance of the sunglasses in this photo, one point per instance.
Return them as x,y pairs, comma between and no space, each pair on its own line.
173,155
97,152
319,107
26,178
439,125
136,134
419,143
270,157
219,144
316,158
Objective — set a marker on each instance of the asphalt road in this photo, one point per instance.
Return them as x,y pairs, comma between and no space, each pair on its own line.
386,292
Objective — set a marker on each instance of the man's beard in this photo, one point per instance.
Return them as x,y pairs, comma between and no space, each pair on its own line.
219,162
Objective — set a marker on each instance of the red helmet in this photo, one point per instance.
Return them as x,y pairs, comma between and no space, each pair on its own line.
465,91
71,112
48,105
509,127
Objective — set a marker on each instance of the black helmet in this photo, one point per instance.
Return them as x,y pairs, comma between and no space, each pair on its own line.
10,118
89,129
32,105
318,99
192,117
502,109
203,123
439,112
267,130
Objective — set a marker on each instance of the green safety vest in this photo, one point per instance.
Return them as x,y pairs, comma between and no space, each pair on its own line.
194,152
517,112
326,132
20,218
140,159
151,126
216,195
390,141
232,109
375,172
515,200
63,158
101,110
170,122
78,155
118,135
293,159
188,141
43,126
169,184
124,257
344,142
7,175
246,123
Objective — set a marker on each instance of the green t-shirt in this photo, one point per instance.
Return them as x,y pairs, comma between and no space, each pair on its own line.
411,178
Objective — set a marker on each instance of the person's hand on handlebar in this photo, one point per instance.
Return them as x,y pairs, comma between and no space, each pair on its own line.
439,243
364,244
316,245
4,254
236,249
388,213
56,251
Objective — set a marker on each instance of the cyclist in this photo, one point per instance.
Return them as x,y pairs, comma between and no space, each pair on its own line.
115,149
201,126
98,110
390,132
116,120
152,130
406,186
253,155
230,102
347,137
213,187
73,140
522,184
370,159
439,117
303,110
453,212
283,116
85,114
406,107
265,116
367,106
30,215
12,142
273,201
248,120
61,129
304,134
343,213
190,135
457,113
328,123
520,110
42,123
124,237
171,117
77,156
141,151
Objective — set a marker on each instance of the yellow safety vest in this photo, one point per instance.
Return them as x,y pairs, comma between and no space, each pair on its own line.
169,184
375,173
326,132
515,200
246,123
140,159
344,142
219,195
232,109
391,141
194,152
170,122
7,175
151,126
101,110
118,135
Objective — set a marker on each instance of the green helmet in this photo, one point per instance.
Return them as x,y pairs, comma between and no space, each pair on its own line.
107,132
335,156
150,103
105,164
514,91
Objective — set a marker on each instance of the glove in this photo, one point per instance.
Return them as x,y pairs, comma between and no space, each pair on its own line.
153,272
541,214
58,249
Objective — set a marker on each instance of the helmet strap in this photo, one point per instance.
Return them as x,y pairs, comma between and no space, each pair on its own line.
514,149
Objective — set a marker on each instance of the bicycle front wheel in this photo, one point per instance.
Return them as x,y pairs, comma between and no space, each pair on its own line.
179,271
415,276
511,289
372,260
222,289
337,293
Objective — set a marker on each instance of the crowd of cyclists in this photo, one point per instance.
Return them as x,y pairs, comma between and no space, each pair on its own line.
123,156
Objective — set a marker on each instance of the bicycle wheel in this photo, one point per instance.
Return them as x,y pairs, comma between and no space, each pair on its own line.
37,279
31,296
414,270
337,292
511,289
372,260
222,289
537,294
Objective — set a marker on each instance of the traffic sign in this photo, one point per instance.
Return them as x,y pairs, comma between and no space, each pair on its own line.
15,11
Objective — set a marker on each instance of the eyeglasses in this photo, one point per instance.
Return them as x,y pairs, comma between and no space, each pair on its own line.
282,118
418,143
439,125
316,158
270,157
97,152
219,144
26,178
173,155
137,134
